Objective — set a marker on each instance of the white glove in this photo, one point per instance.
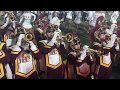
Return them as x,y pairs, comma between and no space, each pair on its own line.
16,48
8,71
32,46
21,36
117,47
56,33
111,42
83,55
92,77
20,39
85,47
2,27
8,42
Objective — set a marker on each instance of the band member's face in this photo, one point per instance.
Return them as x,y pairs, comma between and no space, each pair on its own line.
77,47
102,37
25,44
50,35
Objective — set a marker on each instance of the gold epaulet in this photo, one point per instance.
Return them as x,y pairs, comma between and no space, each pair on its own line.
1,45
36,51
5,37
14,52
79,60
106,48
45,44
73,53
40,32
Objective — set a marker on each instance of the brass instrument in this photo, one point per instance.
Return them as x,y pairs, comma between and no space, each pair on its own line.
68,37
28,37
28,34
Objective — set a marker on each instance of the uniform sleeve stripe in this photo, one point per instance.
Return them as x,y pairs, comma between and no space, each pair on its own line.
1,45
79,60
14,52
106,47
36,51
47,46
42,42
72,54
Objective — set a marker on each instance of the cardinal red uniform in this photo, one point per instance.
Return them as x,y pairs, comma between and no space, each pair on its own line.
4,59
105,61
24,64
53,59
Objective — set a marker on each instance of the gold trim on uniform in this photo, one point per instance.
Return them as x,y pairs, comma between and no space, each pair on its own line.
40,32
36,51
14,52
104,64
46,46
1,45
3,54
73,53
106,47
5,37
1,71
53,66
43,42
79,60
22,74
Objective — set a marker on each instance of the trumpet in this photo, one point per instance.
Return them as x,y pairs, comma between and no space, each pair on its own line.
92,50
28,37
68,37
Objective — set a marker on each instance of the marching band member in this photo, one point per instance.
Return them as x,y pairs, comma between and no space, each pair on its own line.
112,29
5,70
79,63
114,17
104,58
55,20
9,23
50,15
97,18
24,54
71,59
84,64
78,17
90,15
42,24
27,16
95,23
53,51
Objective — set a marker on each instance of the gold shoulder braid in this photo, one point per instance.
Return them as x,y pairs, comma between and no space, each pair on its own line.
1,56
